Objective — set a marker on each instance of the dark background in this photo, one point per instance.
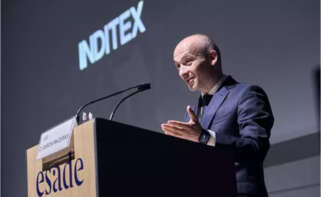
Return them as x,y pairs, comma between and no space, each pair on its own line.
274,44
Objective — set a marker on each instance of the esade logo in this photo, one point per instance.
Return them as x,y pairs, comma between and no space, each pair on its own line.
124,28
60,178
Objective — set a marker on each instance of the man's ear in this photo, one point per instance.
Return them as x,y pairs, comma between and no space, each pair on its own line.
213,57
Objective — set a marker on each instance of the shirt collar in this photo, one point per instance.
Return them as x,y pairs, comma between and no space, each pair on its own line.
217,85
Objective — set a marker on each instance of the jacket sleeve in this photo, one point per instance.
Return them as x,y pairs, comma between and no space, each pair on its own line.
255,120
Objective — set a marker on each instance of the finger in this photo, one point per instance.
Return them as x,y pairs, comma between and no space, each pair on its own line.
178,122
185,131
175,133
174,128
191,114
163,128
171,131
183,125
176,136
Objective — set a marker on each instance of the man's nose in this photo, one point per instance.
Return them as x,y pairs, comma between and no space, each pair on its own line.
183,72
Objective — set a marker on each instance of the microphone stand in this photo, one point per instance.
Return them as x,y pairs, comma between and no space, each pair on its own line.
141,87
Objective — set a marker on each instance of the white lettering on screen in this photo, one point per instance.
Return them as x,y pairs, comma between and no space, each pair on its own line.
99,42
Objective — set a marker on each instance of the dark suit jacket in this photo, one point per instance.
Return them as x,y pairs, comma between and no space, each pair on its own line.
241,116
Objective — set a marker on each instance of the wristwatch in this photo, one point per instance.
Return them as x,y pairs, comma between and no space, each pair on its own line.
204,137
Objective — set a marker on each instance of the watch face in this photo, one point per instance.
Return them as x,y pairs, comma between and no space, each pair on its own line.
204,137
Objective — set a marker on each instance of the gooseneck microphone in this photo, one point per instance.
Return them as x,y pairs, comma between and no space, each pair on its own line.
140,88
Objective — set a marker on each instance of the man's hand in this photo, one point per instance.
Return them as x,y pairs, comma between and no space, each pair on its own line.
187,130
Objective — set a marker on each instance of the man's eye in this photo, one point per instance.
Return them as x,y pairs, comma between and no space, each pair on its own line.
189,62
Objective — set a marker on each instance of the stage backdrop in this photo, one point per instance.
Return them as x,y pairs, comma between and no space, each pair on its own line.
57,55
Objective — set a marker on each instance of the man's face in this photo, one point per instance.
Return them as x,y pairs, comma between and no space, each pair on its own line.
193,68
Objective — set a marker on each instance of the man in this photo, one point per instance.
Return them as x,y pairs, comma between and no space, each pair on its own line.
228,112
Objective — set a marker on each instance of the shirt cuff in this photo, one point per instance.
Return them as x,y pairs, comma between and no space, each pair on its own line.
212,140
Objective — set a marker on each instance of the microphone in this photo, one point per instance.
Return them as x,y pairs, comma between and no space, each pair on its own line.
139,88
144,87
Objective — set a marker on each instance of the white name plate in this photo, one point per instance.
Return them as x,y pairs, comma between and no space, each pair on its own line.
56,138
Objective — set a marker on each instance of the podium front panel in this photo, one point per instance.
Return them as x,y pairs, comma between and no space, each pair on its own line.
114,159
137,162
75,178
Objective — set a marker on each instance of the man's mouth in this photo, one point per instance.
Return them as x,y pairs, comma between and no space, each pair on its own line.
190,82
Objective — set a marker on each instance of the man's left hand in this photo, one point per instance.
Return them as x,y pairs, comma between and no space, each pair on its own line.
187,130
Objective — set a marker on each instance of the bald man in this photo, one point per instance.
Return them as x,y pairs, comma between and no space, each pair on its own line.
227,112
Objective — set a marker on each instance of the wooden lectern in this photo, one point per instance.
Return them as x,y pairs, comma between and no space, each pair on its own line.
114,159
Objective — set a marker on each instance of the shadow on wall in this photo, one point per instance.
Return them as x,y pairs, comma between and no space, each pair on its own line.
278,153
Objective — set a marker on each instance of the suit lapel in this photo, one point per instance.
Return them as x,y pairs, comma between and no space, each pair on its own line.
213,106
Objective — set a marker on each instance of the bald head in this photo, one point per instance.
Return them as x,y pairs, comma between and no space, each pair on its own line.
197,60
196,44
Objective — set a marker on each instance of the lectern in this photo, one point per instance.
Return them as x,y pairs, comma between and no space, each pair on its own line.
114,159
